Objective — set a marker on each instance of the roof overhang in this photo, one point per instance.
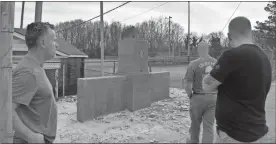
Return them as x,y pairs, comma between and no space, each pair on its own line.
19,49
51,65
78,56
19,35
62,55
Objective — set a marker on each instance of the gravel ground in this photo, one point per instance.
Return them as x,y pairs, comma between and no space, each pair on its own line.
165,121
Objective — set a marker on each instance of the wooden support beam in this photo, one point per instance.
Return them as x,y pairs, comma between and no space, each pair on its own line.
38,11
6,37
102,38
22,14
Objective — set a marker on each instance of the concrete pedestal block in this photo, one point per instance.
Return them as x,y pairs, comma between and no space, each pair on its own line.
160,86
138,91
110,94
132,56
99,96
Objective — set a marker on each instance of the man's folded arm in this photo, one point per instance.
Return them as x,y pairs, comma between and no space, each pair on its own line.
228,62
210,84
24,87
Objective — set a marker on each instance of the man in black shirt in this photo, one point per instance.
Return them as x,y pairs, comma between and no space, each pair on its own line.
242,76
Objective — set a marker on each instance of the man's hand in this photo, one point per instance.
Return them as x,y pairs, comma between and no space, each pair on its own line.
36,138
22,130
210,84
190,95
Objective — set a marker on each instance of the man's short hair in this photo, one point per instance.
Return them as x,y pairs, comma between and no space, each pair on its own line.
240,25
34,31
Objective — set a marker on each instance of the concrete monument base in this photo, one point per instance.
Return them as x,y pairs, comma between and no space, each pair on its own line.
104,95
133,87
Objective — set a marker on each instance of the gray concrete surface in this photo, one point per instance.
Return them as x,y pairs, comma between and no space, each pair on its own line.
98,96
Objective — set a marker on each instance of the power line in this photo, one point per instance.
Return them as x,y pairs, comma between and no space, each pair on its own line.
95,17
142,12
145,11
231,16
78,24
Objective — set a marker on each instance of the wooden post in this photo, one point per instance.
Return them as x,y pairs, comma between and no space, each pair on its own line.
179,50
188,32
170,36
63,79
6,37
114,67
38,11
56,78
102,38
22,14
149,66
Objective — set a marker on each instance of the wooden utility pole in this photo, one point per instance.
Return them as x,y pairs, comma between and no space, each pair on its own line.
179,50
56,86
22,14
102,39
38,11
170,36
6,37
63,79
173,45
188,31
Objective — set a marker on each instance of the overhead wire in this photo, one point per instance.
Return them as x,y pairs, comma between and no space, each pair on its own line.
142,12
232,15
77,24
145,11
128,19
94,17
131,18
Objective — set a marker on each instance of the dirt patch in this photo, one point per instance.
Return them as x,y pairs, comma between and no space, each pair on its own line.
164,121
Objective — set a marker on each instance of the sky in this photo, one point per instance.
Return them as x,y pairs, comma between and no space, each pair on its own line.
205,17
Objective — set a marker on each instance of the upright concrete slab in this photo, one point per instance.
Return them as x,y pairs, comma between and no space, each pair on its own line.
99,96
132,56
143,89
138,92
160,86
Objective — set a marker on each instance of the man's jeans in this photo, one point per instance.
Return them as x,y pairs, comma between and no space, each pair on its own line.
202,108
222,137
21,141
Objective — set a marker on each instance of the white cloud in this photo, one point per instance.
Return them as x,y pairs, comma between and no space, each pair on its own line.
206,17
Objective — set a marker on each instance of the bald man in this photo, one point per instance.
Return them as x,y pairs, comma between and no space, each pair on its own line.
202,105
242,76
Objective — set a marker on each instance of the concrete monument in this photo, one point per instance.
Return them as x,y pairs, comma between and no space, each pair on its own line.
132,88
